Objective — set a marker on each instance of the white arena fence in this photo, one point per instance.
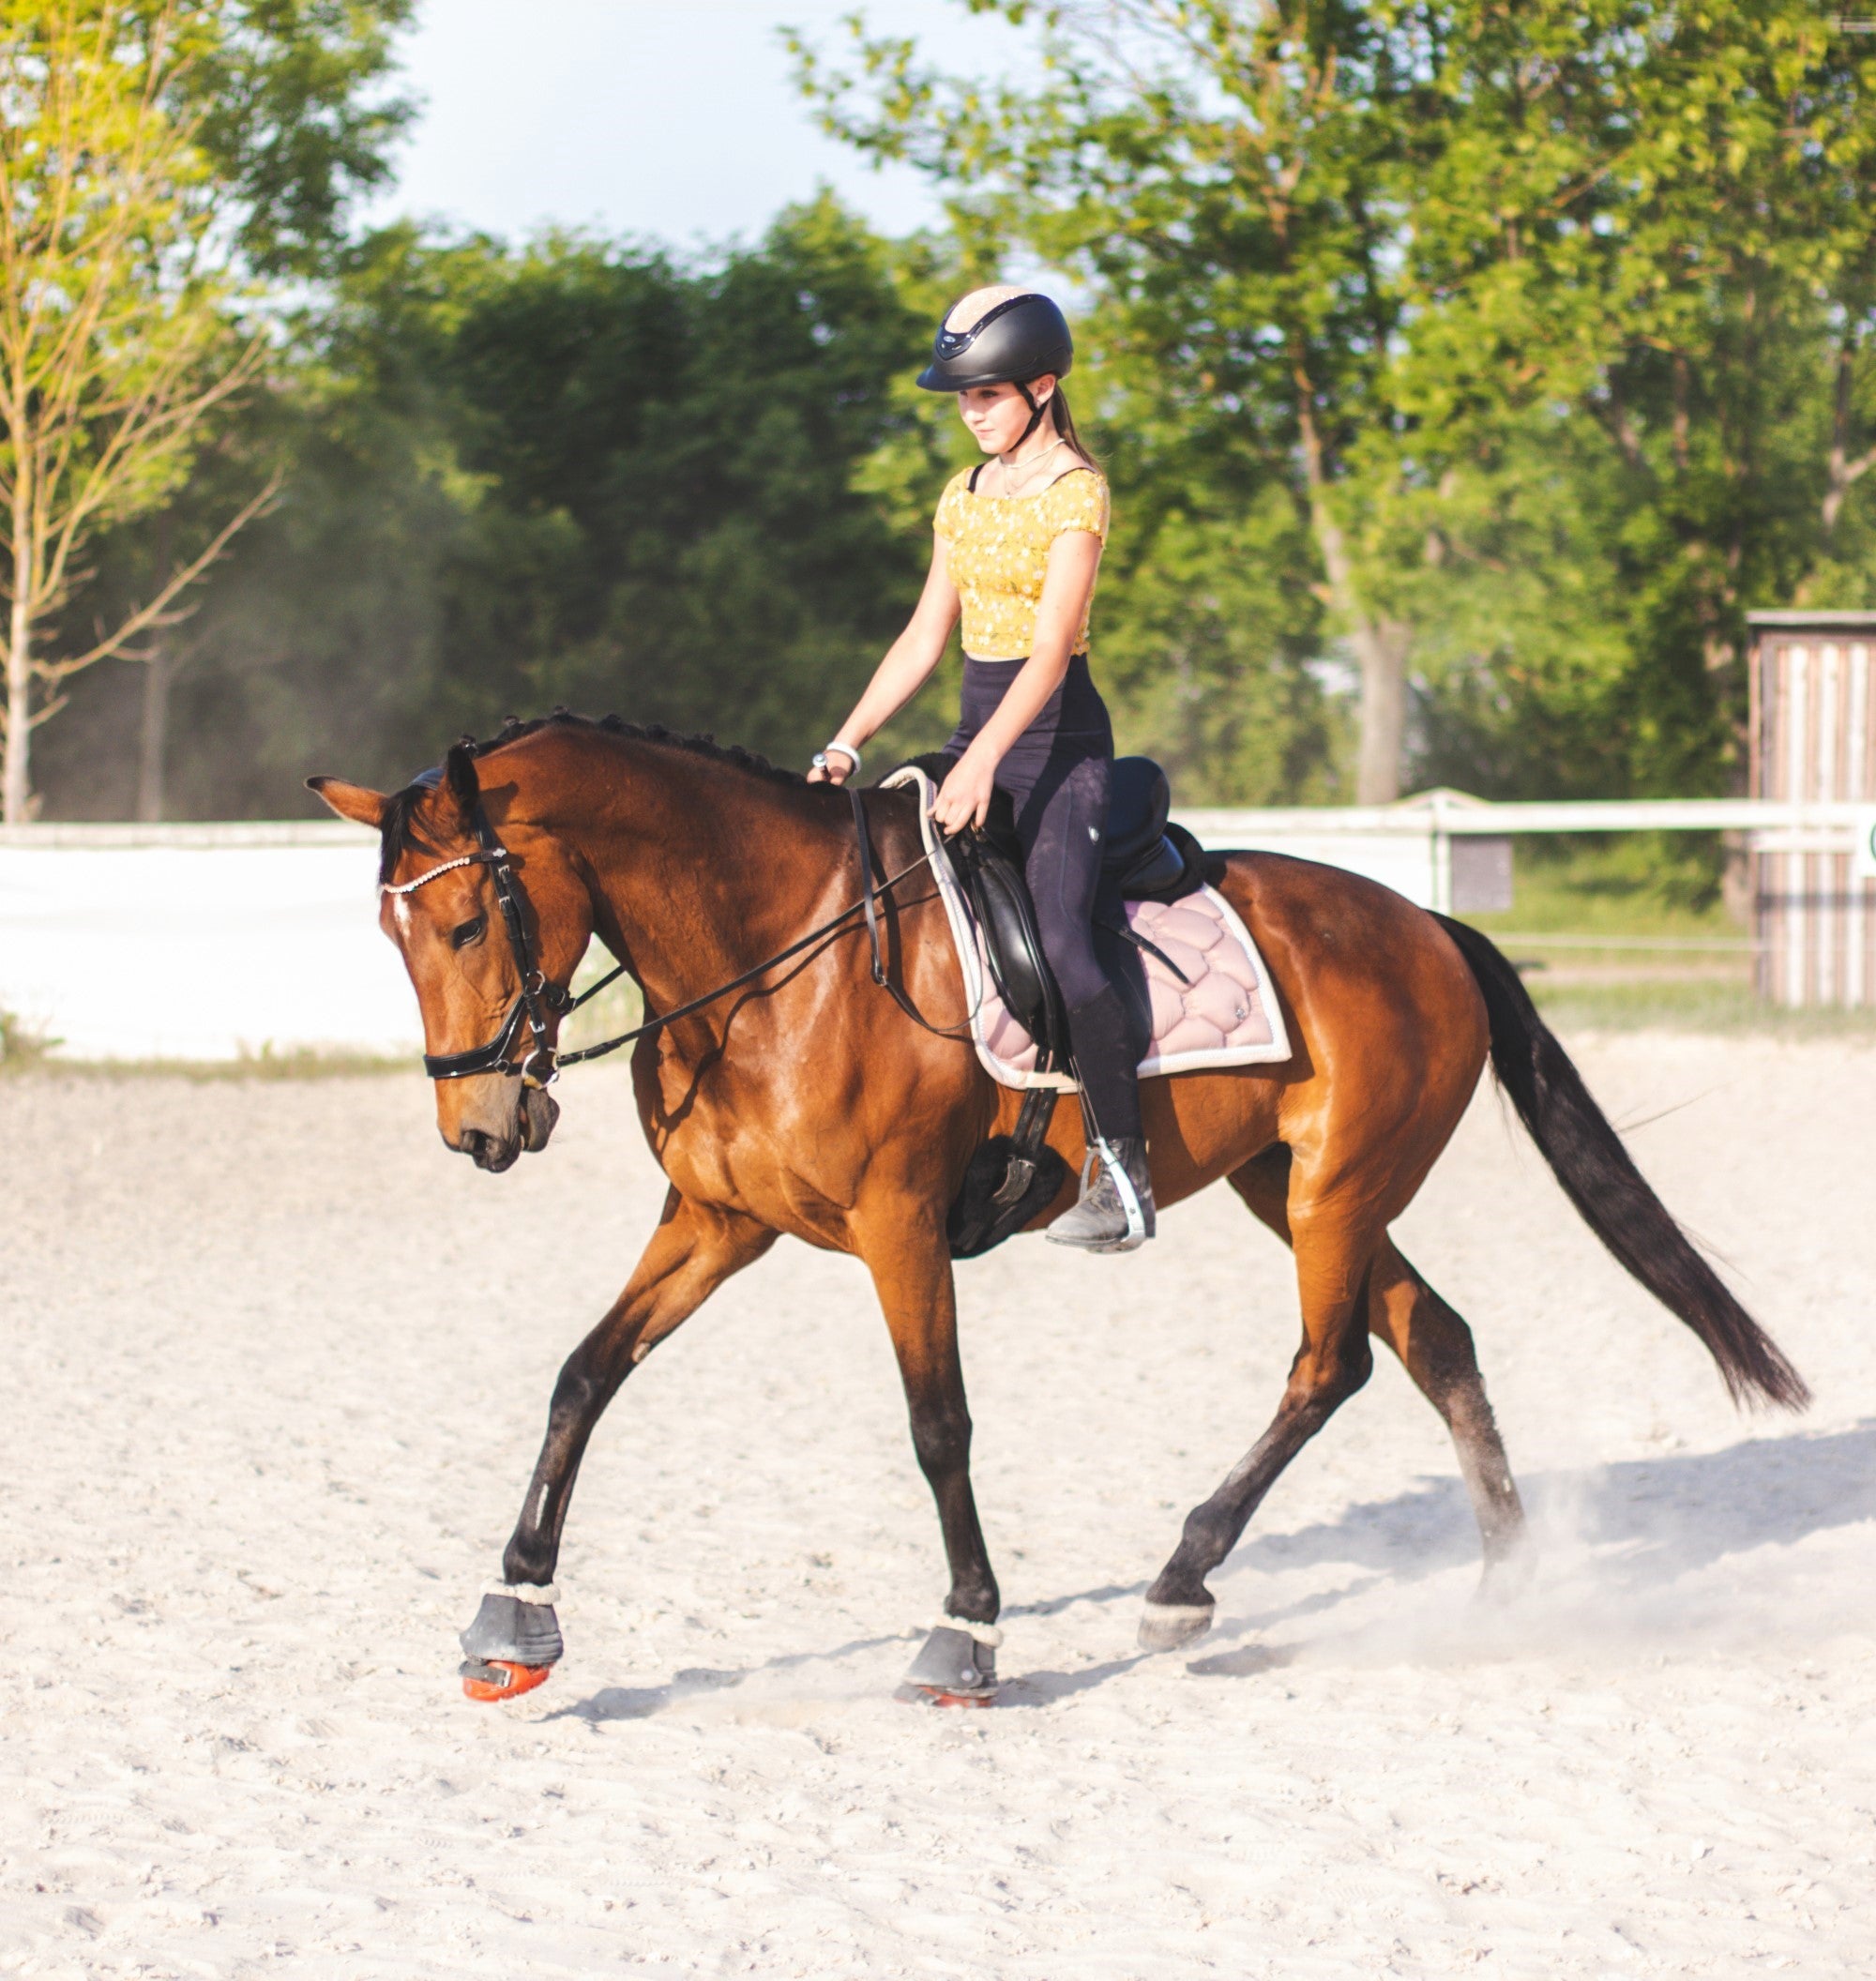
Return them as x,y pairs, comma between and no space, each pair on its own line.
199,941
225,941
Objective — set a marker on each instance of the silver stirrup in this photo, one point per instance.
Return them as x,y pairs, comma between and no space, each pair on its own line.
1129,1197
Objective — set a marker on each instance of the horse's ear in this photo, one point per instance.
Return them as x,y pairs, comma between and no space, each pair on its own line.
458,774
351,801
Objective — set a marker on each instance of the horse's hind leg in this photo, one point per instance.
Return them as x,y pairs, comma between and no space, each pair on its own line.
1435,1346
515,1639
1334,1242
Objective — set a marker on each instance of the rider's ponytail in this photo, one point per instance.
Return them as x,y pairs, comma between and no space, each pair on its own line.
1064,424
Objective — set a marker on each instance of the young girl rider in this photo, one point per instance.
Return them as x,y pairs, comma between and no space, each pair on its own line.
1016,547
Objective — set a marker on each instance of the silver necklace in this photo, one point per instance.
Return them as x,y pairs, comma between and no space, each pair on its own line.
1034,462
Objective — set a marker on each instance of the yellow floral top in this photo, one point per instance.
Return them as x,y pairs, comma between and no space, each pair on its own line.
997,552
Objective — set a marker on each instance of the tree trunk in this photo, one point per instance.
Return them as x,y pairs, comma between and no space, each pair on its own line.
152,756
16,790
1380,651
1380,645
1841,472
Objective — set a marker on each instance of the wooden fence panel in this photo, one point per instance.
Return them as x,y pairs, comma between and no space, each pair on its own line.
1811,713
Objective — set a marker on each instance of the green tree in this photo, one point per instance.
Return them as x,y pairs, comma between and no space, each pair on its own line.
142,190
1552,319
1638,376
1228,180
568,471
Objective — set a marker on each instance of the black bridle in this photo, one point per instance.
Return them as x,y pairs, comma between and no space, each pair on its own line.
540,1000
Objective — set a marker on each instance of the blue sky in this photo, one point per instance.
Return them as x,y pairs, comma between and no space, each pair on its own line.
675,118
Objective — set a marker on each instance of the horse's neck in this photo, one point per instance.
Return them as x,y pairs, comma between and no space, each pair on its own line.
699,870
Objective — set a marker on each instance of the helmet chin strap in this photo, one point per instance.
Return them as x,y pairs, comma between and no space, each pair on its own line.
1036,408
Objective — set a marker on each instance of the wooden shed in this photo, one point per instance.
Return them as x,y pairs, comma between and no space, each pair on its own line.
1811,712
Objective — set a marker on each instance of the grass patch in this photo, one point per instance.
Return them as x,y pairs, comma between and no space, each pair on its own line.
1690,1004
1629,932
22,1047
1627,886
261,1065
617,1008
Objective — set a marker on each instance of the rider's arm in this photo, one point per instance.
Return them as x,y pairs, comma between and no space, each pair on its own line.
908,664
1069,583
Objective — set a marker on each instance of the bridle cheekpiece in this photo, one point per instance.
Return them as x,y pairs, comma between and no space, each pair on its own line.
538,997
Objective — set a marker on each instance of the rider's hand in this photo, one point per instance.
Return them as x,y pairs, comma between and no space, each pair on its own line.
966,798
839,768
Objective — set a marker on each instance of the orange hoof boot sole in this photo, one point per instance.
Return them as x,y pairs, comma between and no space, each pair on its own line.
937,1696
495,1678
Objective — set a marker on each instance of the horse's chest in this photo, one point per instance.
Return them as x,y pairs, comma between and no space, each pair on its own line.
739,1150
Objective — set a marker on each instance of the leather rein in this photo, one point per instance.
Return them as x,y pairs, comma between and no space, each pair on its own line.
540,1001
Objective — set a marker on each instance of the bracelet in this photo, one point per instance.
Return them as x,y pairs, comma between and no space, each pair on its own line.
846,749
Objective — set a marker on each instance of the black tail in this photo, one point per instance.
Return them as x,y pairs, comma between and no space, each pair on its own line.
1598,1177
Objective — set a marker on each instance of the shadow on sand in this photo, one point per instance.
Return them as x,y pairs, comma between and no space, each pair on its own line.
1653,1519
1667,1515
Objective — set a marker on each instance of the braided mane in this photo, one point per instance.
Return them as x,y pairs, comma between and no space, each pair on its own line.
399,827
514,729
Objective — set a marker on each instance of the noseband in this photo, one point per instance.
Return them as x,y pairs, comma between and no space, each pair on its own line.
539,997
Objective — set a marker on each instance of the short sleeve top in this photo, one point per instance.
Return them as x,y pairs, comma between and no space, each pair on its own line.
998,554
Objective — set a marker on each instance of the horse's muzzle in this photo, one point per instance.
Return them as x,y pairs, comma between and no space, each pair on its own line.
533,1124
539,1111
489,1152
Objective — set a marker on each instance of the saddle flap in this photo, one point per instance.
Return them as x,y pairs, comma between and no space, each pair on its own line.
999,899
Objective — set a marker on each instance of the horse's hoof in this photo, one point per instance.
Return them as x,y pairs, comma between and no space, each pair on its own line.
909,1694
955,1665
492,1678
1165,1626
512,1645
1508,1573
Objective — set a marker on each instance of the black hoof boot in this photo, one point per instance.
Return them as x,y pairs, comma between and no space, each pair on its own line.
511,1646
955,1667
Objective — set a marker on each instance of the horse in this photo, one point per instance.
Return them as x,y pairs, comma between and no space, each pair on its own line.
782,1093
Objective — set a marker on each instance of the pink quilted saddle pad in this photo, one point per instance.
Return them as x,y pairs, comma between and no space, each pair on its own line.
1221,1016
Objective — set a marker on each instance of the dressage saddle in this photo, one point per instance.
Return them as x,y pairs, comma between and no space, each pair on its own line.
1147,858
1012,1178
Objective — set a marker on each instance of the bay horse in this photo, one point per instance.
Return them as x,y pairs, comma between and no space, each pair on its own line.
808,1103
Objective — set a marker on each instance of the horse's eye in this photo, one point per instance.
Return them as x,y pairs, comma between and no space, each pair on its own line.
470,931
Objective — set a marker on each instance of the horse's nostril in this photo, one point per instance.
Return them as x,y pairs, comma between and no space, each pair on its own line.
471,1142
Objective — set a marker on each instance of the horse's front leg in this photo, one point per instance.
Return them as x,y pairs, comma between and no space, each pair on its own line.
909,1261
515,1640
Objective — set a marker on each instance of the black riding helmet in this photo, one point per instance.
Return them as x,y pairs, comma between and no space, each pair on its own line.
1013,342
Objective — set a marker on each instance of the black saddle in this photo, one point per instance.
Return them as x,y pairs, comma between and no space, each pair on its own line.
1012,1178
1147,858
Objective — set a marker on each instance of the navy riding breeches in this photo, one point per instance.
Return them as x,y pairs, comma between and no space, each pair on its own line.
1058,774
